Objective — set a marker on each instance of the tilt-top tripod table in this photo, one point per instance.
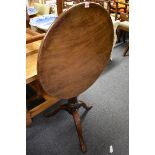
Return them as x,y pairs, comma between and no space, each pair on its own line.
73,53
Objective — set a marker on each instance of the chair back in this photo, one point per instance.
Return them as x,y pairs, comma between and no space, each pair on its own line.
120,13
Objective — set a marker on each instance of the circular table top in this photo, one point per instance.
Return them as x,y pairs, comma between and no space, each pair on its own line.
75,50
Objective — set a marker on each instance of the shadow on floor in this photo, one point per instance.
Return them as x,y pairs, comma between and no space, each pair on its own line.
111,65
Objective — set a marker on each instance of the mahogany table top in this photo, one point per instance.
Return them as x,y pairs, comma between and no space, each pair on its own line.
75,50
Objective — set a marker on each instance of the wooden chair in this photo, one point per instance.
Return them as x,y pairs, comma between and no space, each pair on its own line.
117,8
121,7
72,56
123,27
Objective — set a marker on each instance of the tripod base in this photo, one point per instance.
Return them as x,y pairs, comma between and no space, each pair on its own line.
72,108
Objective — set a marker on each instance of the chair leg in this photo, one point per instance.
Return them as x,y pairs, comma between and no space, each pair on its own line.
126,50
119,34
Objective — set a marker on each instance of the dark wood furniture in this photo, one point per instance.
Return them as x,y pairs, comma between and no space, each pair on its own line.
27,19
118,6
123,27
72,56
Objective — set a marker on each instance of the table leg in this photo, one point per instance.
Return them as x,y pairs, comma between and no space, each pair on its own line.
28,118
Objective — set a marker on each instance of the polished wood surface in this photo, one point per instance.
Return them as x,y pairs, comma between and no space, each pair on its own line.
35,38
33,41
31,68
31,32
75,50
28,118
59,6
32,48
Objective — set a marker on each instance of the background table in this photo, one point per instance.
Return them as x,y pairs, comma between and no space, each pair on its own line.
33,40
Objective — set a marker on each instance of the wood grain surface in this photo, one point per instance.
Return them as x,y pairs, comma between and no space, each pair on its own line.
33,41
31,61
75,50
35,38
31,67
32,48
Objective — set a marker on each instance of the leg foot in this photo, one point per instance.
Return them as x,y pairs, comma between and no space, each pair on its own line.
84,105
